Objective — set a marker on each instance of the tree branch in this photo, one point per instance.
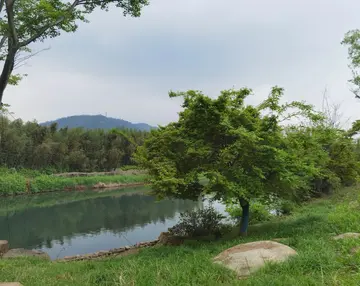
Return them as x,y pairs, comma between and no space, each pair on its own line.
2,2
19,62
11,21
2,41
44,28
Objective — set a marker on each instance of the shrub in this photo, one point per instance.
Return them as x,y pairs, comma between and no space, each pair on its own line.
258,212
285,207
199,223
12,184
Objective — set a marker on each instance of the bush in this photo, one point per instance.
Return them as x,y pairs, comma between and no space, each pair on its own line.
11,184
285,207
199,223
258,212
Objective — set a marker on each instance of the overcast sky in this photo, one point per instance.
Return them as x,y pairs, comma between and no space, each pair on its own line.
125,67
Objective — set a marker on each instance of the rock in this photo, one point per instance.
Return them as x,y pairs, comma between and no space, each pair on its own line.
10,284
355,250
4,247
280,239
20,252
247,258
166,238
347,235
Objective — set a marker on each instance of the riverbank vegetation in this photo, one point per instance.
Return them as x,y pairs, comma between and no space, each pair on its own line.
28,182
309,230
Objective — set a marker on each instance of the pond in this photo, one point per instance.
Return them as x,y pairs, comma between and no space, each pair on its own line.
71,223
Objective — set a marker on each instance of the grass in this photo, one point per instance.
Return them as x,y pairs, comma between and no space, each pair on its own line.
320,259
20,183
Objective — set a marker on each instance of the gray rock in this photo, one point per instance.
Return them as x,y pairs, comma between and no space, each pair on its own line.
21,252
4,247
347,235
247,258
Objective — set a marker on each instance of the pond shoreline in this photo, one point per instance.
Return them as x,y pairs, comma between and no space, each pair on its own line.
19,184
122,251
98,186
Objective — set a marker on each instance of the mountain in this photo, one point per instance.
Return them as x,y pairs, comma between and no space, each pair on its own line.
97,122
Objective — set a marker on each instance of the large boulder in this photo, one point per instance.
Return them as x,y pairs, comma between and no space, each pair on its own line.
247,258
21,252
4,247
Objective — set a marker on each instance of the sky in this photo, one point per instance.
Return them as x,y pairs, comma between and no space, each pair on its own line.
125,67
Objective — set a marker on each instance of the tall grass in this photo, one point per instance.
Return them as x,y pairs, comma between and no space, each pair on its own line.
12,184
23,182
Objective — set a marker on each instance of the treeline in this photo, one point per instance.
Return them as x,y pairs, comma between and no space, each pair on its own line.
30,145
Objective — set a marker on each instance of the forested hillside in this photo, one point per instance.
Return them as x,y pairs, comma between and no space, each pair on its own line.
96,122
30,145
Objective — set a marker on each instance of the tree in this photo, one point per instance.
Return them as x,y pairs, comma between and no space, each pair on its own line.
28,21
352,41
240,149
30,145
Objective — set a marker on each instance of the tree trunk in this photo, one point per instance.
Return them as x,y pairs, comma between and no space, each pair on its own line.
6,72
244,217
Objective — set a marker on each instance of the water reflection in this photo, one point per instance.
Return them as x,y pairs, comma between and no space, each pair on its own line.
90,224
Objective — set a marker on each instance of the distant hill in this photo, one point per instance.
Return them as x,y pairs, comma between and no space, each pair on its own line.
97,122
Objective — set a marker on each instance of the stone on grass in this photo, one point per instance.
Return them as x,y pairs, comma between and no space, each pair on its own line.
21,252
247,258
355,250
4,247
347,235
166,238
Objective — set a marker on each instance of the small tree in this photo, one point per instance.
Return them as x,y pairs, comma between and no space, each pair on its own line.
23,22
240,149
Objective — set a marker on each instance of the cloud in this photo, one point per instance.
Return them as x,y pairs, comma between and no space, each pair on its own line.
126,66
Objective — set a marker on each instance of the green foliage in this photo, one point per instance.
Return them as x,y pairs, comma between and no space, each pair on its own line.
286,207
49,149
19,183
352,41
258,212
244,151
12,184
198,223
346,217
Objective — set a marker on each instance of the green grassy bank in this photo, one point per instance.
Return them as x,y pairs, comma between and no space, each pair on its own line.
320,260
30,182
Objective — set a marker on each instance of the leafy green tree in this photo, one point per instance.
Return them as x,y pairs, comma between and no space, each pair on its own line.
352,41
240,149
27,21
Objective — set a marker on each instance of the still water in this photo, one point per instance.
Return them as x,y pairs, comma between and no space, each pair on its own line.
65,223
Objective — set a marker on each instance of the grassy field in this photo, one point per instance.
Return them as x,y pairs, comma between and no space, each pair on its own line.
22,182
320,260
